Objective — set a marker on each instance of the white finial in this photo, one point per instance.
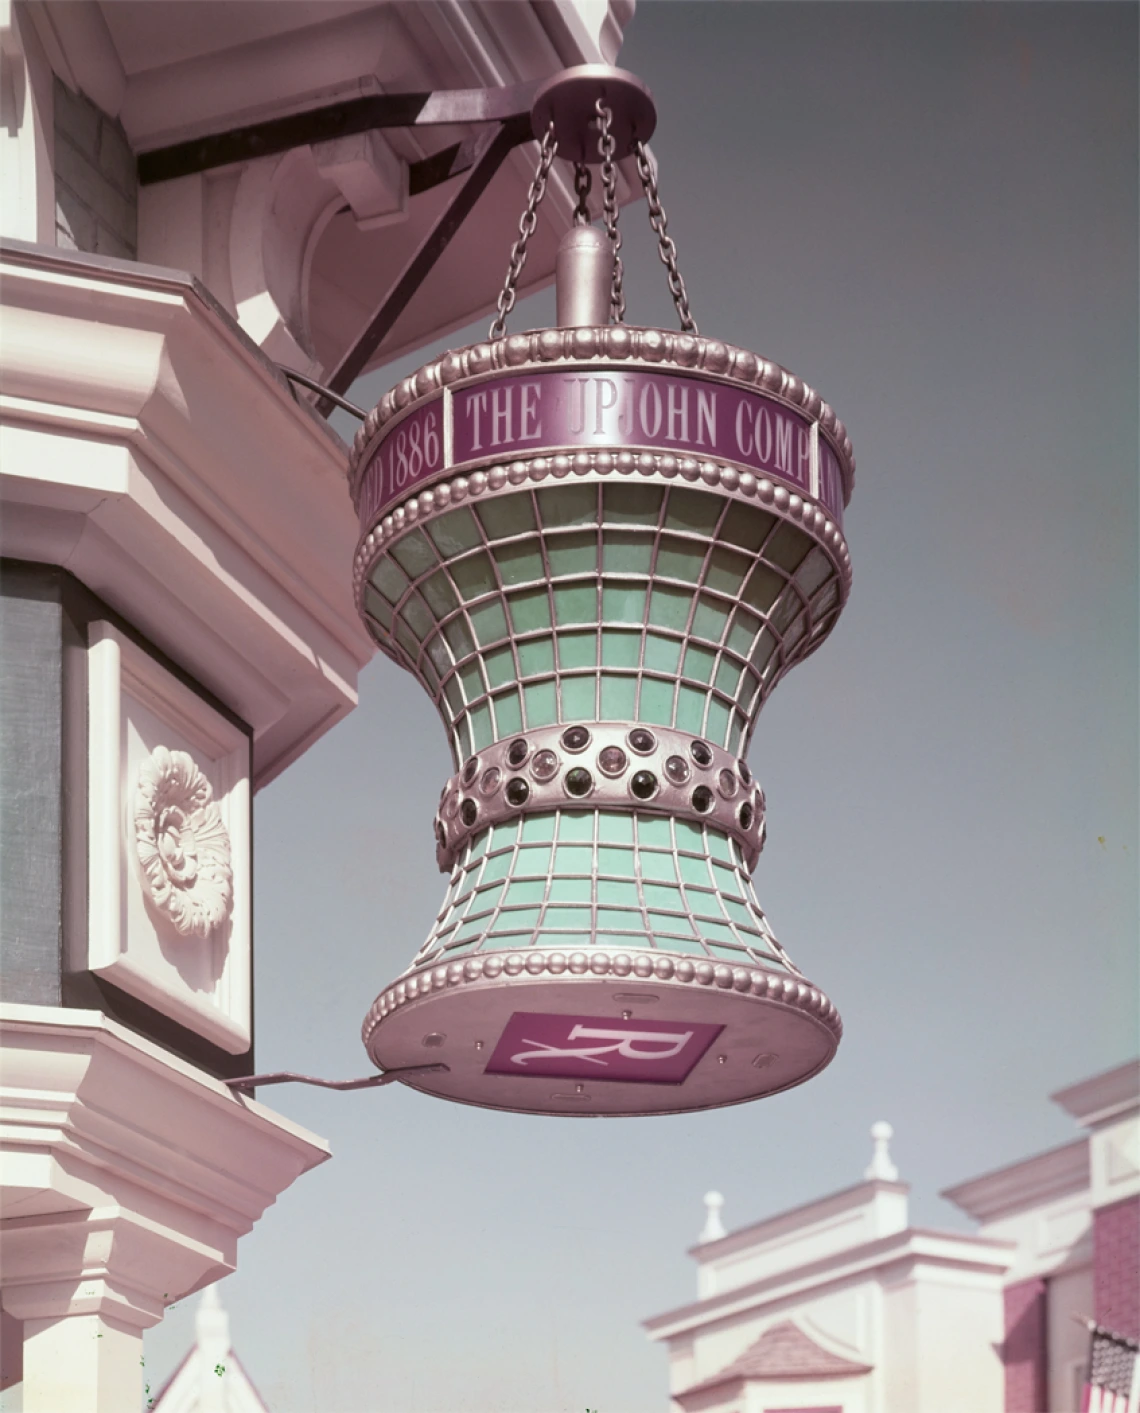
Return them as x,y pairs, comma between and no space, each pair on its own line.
714,1227
881,1167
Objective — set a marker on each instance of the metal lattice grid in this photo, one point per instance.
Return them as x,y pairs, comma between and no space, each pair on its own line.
569,878
666,605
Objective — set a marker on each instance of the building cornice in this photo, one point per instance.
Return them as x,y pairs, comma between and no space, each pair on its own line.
1056,1173
1103,1098
882,1258
153,451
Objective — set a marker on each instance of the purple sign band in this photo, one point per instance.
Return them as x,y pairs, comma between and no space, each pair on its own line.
600,1047
528,413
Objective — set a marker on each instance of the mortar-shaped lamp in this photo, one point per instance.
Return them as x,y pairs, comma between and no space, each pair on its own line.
598,548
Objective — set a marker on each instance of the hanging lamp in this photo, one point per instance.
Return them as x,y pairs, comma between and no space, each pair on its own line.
598,548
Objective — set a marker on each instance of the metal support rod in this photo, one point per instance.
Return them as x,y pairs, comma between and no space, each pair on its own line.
326,393
246,1083
343,119
492,148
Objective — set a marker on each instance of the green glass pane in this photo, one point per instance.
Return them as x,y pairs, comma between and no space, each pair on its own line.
455,532
504,940
612,859
575,603
462,739
618,893
508,714
460,946
746,526
716,722
619,696
415,614
478,846
482,733
666,922
474,575
524,890
406,639
736,732
682,944
738,913
507,515
518,918
626,553
532,861
529,610
570,890
490,895
656,704
814,571
620,649
658,896
680,559
440,657
690,836
573,858
623,603
538,828
725,951
728,674
658,866
632,505
472,680
536,656
500,665
614,919
378,607
541,707
710,619
763,588
459,640
743,632
577,650
430,676
568,505
576,826
699,663
572,554
690,709
717,933
693,870
439,594
454,696
719,845
702,904
577,918
788,547
615,828
654,833
489,621
765,647
692,510
519,563
579,698
662,654
669,607
414,554
726,570
389,579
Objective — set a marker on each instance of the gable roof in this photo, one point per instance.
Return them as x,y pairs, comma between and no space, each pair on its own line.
783,1351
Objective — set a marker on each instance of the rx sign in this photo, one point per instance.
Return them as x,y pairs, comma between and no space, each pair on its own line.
600,1047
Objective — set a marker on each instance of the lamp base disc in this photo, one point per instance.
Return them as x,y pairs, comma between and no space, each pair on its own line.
567,100
588,1045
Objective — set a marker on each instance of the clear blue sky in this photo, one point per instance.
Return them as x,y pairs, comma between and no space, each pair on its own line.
929,211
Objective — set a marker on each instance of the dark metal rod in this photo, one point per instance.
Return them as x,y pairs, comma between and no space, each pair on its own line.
333,120
326,393
373,1081
492,148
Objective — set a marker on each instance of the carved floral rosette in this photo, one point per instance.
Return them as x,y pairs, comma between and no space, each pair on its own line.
182,843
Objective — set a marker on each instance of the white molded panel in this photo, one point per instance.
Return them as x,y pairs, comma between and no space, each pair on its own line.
141,941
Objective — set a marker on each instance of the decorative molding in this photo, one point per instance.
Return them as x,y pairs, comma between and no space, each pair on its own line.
182,843
169,887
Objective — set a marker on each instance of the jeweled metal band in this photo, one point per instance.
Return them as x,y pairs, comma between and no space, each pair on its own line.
509,476
601,765
656,967
656,348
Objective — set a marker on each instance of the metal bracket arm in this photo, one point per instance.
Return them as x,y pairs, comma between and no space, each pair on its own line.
246,1083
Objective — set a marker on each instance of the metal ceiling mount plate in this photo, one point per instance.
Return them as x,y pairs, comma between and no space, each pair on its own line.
568,101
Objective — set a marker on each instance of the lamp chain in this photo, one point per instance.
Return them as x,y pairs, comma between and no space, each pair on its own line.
527,224
665,246
583,181
606,146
